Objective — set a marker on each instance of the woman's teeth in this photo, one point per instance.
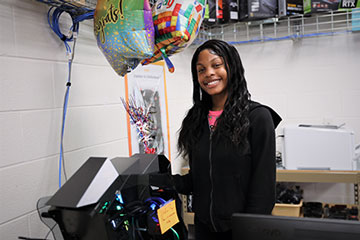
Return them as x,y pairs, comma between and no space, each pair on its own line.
213,82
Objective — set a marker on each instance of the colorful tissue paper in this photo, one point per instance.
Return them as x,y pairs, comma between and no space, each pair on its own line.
176,23
141,117
124,32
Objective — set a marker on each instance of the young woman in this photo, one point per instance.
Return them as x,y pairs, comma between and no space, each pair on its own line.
229,141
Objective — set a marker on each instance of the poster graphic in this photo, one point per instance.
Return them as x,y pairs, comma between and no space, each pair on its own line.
145,90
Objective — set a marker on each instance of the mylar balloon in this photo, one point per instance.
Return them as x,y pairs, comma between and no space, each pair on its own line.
176,23
124,32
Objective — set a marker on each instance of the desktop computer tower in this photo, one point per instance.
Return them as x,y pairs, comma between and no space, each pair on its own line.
116,199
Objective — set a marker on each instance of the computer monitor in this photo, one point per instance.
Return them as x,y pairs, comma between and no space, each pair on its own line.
268,227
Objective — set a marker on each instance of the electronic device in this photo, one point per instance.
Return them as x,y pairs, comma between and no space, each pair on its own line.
318,6
318,147
116,199
290,7
257,9
268,227
281,8
233,10
210,12
294,7
222,11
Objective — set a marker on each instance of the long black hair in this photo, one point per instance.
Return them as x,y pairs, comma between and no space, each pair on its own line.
233,122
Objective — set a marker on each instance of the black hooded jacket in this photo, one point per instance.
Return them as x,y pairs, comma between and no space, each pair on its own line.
223,180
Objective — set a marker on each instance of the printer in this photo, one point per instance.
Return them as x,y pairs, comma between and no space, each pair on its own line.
318,147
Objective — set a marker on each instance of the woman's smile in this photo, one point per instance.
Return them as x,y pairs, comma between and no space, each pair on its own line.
212,83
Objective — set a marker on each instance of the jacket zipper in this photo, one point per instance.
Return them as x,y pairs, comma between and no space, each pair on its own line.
211,180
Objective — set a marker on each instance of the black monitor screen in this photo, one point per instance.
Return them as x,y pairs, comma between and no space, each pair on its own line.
268,227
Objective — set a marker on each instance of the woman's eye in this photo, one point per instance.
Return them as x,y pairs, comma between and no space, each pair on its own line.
200,70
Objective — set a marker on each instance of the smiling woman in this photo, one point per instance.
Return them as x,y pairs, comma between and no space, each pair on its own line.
229,141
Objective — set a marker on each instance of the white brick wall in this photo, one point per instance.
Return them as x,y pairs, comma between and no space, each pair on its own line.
311,80
34,72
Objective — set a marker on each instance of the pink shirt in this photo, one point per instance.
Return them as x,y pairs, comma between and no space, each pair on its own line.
213,115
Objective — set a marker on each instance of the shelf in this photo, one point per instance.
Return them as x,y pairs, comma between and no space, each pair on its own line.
77,7
292,27
272,29
319,176
73,7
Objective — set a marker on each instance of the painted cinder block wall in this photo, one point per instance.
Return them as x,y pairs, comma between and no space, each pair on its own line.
33,75
311,80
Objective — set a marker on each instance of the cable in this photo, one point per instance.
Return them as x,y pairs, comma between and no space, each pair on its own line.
176,235
133,228
139,229
51,228
26,238
66,99
53,20
85,16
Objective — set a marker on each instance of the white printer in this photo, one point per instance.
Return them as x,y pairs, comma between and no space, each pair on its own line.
318,147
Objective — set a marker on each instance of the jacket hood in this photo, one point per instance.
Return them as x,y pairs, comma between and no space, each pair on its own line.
275,117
